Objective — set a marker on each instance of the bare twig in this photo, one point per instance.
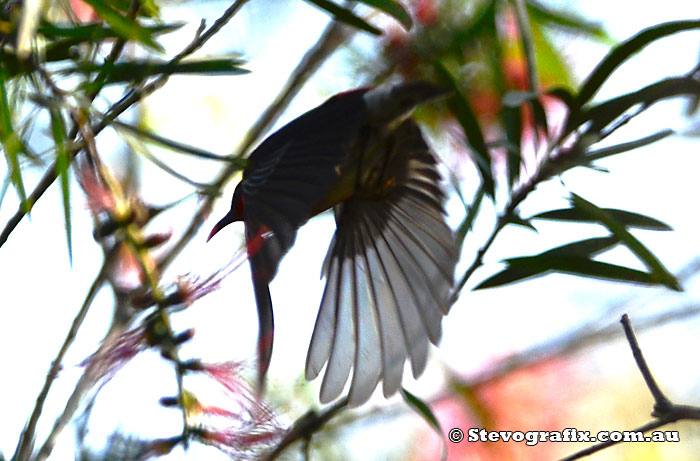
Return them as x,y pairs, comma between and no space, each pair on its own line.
27,438
306,426
664,411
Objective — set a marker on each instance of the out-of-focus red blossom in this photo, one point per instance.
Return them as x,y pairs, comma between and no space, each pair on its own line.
535,398
83,12
100,198
116,352
425,11
515,73
399,49
126,269
486,104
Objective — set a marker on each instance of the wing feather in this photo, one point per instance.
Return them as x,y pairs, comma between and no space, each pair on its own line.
395,249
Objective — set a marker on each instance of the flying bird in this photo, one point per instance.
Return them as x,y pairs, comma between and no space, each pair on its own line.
390,266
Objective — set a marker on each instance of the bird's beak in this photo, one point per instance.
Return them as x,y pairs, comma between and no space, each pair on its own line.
225,221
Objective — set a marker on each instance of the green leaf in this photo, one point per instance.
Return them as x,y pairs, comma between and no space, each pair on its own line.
530,266
584,248
467,119
126,29
623,51
393,9
466,224
551,63
63,159
601,115
515,99
519,221
12,144
346,16
424,410
97,32
132,71
626,146
658,271
627,218
563,19
184,148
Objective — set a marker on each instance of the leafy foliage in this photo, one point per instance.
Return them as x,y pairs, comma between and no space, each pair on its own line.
504,75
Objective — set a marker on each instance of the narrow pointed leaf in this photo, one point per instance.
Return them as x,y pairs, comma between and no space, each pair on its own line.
467,119
584,248
346,16
519,221
128,30
139,70
424,410
393,9
627,218
528,267
184,148
565,20
12,144
63,158
601,115
659,272
97,32
517,98
531,266
466,225
626,146
623,51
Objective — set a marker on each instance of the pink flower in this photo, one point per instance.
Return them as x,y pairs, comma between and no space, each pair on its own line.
191,288
115,352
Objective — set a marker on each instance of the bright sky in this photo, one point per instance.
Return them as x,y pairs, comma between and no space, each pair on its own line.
42,293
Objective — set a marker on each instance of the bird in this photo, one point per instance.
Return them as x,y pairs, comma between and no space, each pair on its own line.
390,265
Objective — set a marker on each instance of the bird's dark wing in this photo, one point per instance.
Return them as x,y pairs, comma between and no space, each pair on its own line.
293,169
287,175
389,273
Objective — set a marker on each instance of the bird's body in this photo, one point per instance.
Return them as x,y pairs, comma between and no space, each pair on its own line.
389,269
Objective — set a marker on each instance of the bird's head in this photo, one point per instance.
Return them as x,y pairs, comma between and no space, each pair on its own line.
234,214
391,104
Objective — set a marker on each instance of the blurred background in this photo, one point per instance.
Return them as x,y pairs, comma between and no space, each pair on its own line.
546,353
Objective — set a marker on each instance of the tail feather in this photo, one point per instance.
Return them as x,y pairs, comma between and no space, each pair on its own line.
266,329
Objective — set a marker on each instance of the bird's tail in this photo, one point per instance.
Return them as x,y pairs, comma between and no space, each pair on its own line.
261,271
266,326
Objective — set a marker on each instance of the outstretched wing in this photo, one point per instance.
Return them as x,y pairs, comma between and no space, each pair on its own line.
389,274
293,169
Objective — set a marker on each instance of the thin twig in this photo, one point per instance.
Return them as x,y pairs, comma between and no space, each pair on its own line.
27,437
659,397
86,381
664,412
306,426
